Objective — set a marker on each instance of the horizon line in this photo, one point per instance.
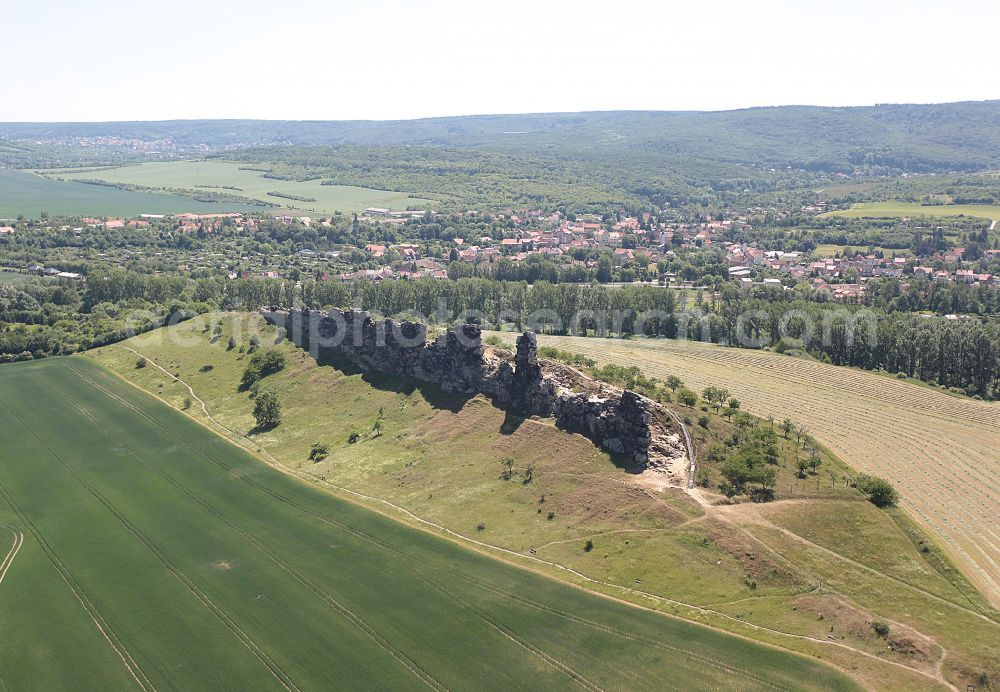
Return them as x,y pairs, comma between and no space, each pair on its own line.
501,115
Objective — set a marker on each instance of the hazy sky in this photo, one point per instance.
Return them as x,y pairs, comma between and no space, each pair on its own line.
313,59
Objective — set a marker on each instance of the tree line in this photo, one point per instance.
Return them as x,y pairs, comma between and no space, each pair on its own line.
963,354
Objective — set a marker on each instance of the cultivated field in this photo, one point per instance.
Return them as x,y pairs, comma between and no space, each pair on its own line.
911,210
155,554
25,193
940,451
218,176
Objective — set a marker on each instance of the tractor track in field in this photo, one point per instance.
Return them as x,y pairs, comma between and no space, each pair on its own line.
277,465
157,552
512,636
401,657
492,622
103,626
702,659
12,553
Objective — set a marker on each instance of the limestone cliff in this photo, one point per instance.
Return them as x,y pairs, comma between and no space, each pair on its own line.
628,425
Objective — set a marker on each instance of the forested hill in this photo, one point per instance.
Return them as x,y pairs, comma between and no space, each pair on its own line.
954,136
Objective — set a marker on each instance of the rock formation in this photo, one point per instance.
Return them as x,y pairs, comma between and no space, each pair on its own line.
626,424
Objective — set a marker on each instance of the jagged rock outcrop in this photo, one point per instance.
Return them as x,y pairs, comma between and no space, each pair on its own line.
454,360
622,422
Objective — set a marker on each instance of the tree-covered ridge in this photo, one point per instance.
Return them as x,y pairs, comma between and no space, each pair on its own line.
954,136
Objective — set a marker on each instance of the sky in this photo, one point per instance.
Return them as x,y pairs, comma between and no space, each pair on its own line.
70,60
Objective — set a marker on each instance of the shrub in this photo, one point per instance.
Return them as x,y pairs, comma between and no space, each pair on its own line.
879,491
319,451
703,421
687,397
704,479
802,465
716,452
728,489
570,358
267,408
588,546
881,629
140,363
260,366
630,377
508,469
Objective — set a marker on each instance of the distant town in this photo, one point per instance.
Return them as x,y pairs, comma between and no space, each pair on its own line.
646,247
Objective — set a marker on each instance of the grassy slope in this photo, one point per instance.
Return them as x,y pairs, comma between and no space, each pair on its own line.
190,174
207,569
876,424
444,464
28,194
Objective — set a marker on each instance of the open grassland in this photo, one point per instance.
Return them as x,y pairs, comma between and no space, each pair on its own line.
829,250
914,210
14,277
29,194
156,554
437,463
940,451
232,178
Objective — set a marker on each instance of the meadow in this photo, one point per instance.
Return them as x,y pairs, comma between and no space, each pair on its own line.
810,573
828,250
25,193
939,451
8,277
237,179
914,210
152,553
